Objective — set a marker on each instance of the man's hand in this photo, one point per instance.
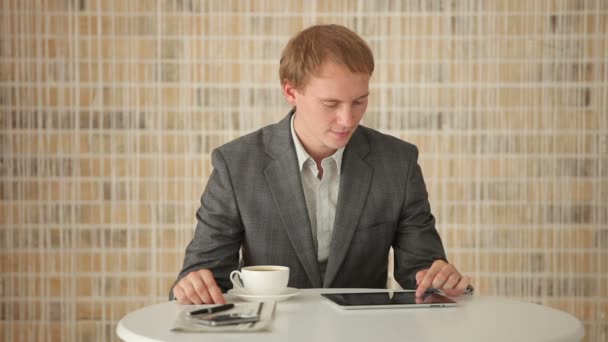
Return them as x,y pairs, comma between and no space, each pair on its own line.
198,287
442,276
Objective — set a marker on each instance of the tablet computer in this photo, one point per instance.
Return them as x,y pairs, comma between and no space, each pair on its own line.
387,300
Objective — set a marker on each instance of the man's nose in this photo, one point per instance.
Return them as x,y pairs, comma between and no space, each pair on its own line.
345,116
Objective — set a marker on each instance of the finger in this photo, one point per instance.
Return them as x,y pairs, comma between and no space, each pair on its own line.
428,277
213,289
180,295
420,275
190,292
459,288
443,275
463,284
452,281
425,283
200,289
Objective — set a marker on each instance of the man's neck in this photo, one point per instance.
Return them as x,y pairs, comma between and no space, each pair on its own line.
316,154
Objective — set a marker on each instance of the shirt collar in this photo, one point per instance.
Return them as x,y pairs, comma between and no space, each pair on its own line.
303,156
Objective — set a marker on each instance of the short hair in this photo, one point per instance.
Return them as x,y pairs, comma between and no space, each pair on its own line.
306,51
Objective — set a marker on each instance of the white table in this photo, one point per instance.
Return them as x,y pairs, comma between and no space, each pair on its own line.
309,317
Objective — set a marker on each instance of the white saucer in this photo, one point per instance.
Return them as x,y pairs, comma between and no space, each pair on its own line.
287,293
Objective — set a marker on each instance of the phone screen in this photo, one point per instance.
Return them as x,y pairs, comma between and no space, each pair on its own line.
226,319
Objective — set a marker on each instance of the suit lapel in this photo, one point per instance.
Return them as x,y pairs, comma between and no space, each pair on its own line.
283,178
355,180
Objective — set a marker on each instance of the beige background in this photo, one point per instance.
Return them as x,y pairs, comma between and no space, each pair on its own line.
109,110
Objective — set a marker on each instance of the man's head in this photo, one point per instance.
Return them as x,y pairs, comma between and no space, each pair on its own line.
325,72
305,52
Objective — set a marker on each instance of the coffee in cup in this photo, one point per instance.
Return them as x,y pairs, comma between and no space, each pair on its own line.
261,280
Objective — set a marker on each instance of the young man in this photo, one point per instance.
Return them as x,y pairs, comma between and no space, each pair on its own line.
317,192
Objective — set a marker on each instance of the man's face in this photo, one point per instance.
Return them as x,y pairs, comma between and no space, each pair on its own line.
329,108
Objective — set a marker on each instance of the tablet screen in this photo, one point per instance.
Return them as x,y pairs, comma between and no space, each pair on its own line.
388,299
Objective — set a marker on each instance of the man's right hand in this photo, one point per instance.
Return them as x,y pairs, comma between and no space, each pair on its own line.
198,287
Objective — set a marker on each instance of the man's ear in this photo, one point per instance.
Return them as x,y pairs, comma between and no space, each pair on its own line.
289,92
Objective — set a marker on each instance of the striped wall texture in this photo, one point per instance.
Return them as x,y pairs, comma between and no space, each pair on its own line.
109,111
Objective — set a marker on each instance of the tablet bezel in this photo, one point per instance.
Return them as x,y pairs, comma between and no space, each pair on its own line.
445,301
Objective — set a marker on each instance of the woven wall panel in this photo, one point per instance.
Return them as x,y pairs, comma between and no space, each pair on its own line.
109,111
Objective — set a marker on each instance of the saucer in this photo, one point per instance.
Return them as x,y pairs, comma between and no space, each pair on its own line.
287,293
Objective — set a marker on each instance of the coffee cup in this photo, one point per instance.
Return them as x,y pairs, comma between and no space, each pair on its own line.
261,280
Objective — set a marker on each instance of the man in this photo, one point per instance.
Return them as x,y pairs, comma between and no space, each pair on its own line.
317,192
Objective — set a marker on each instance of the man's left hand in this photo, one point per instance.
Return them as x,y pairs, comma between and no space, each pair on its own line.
442,276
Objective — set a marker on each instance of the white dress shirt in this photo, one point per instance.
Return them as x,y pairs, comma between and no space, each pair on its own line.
321,195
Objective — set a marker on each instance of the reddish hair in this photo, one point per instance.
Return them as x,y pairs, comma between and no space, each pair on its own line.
306,51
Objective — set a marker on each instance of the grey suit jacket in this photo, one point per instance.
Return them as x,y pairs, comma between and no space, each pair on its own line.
254,200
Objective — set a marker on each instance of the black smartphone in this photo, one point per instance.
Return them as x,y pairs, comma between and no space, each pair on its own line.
227,319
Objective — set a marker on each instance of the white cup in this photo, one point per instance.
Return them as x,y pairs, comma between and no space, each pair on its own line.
261,280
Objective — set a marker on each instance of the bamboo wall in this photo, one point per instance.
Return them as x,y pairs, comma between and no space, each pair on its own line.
109,111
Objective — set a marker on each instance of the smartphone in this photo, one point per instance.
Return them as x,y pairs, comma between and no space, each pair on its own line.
227,319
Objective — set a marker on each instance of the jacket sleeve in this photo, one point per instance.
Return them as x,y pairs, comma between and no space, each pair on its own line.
219,230
417,243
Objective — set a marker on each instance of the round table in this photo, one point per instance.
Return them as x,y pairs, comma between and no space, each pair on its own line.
310,317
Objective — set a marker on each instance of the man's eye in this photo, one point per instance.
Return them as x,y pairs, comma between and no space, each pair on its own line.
331,105
358,103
